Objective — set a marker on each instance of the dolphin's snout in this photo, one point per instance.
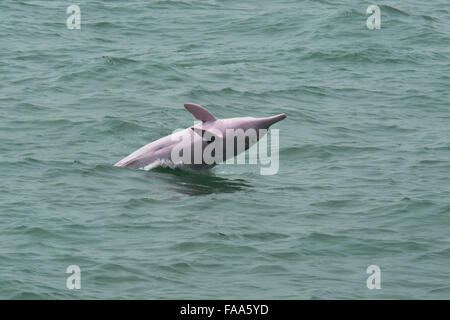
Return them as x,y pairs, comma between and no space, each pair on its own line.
279,117
267,122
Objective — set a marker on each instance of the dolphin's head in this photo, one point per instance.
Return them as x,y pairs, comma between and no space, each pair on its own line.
221,125
248,130
246,123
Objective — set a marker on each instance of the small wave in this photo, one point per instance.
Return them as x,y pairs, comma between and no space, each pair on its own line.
268,269
393,10
178,267
114,125
103,24
265,236
118,60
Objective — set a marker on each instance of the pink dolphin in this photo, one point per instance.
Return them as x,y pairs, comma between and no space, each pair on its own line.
197,138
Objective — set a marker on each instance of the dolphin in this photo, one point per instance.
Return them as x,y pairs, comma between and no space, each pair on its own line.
186,147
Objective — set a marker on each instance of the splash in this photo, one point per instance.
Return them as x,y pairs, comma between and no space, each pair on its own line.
162,163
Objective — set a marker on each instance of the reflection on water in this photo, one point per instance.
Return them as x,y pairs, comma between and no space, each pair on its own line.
196,182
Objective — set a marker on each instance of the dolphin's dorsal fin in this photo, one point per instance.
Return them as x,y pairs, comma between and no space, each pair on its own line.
199,112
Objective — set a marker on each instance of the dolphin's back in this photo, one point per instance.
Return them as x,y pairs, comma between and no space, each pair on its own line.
159,149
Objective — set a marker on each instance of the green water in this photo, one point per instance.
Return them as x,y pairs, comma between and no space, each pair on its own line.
364,152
